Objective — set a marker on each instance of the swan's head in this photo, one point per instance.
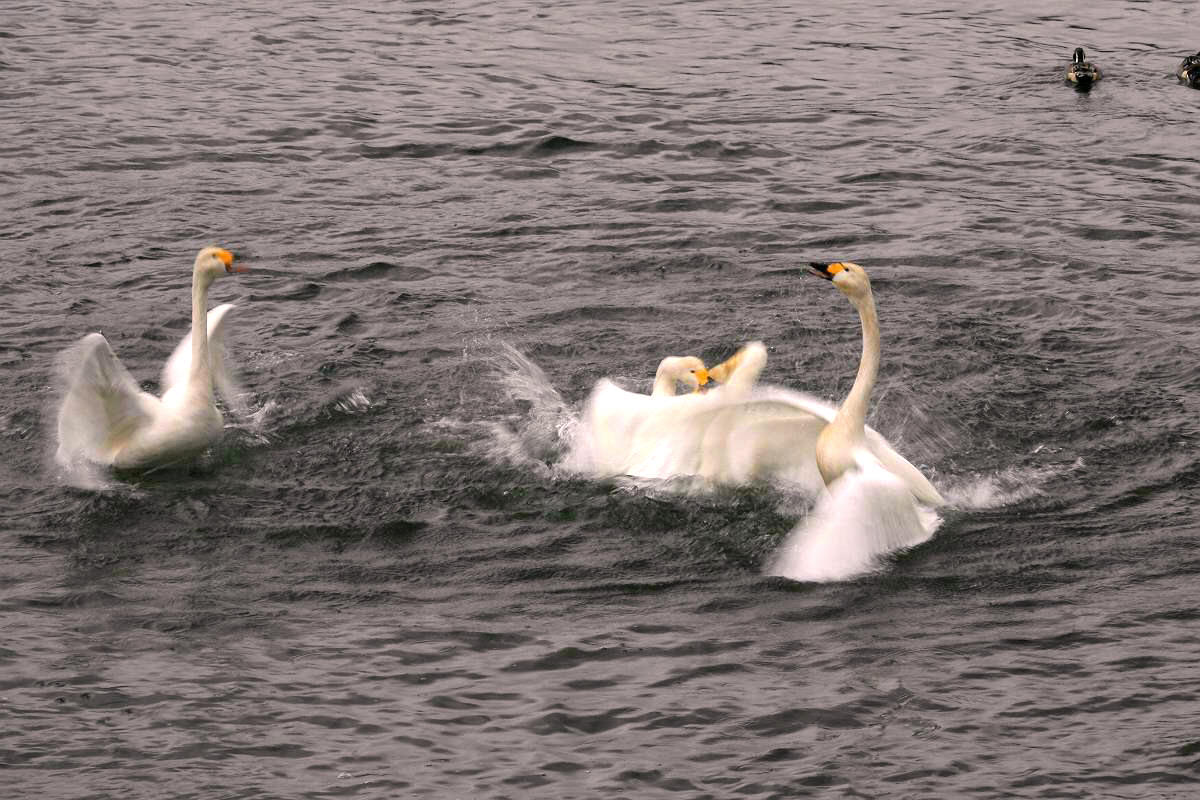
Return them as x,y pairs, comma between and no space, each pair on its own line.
685,369
213,262
753,354
846,275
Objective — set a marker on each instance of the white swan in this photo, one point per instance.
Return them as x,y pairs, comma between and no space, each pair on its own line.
871,507
106,419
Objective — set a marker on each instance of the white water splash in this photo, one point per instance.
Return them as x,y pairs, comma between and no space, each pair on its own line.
1005,487
546,429
354,402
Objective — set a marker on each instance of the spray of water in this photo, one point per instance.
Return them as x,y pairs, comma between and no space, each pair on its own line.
544,431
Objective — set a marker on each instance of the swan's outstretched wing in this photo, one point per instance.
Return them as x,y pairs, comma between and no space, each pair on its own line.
895,463
102,405
723,436
867,513
607,429
730,441
175,373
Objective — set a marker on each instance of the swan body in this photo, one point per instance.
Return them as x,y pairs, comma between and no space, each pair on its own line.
106,419
1189,71
1080,72
871,506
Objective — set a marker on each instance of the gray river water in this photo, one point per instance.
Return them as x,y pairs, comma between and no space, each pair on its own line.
458,218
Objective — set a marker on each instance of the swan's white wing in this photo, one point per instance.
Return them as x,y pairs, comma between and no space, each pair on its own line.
727,441
771,435
723,436
102,405
611,415
895,463
867,513
175,372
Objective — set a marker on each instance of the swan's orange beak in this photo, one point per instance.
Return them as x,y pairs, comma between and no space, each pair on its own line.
826,271
227,259
720,373
701,378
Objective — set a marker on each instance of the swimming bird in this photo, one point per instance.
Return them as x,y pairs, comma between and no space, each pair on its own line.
1189,71
106,419
871,506
1080,72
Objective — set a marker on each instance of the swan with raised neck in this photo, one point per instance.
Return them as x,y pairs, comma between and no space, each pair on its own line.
105,418
844,444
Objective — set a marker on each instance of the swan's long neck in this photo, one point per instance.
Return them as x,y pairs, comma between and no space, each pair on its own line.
853,412
200,377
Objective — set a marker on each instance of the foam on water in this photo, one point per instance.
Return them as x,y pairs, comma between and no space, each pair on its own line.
1004,487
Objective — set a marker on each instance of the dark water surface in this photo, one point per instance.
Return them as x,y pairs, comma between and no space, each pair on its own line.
388,588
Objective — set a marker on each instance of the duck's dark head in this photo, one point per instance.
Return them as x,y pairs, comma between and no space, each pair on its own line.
1078,58
1189,71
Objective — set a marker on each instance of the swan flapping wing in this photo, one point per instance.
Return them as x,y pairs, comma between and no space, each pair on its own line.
728,437
102,404
608,429
866,514
721,436
175,372
887,456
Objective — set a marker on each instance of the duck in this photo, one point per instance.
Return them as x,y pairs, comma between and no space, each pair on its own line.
104,417
873,499
1080,72
1189,71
